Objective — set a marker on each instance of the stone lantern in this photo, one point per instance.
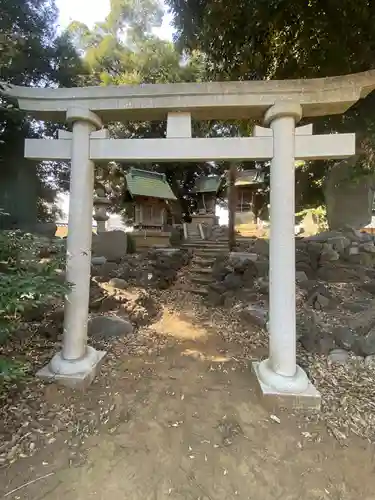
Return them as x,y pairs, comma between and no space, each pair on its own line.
101,203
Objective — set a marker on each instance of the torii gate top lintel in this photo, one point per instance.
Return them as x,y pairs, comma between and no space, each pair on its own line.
205,101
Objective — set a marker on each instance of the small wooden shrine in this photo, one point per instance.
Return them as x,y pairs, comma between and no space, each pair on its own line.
206,190
149,198
247,185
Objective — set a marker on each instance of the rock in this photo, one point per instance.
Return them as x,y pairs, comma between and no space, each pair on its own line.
328,254
255,315
370,361
250,273
369,287
339,356
305,268
98,261
311,334
262,284
339,243
347,202
240,260
345,337
232,281
301,276
368,247
118,283
262,267
336,273
103,327
261,247
110,244
365,345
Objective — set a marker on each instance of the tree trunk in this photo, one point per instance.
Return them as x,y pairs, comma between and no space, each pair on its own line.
232,202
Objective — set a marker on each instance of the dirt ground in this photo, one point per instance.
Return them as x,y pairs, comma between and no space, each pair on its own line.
186,423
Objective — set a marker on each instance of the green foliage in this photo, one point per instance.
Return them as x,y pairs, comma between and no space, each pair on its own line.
26,281
282,39
319,214
31,53
131,247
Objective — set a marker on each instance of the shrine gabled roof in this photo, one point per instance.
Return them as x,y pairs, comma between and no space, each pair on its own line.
151,184
208,184
249,177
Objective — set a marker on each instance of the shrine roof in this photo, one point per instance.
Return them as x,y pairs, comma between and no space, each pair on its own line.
151,184
205,101
209,184
249,177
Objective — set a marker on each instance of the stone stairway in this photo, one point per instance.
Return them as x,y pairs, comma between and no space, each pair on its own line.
205,254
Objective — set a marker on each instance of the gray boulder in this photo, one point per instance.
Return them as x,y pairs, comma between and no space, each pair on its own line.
104,327
255,315
111,244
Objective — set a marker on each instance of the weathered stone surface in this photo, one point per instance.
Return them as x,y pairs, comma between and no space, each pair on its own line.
255,315
118,283
104,327
348,202
261,247
365,345
301,276
232,281
311,334
339,243
368,247
369,287
328,254
110,244
336,273
165,264
345,337
338,356
98,261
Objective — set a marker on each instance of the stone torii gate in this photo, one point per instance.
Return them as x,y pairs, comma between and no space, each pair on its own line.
279,104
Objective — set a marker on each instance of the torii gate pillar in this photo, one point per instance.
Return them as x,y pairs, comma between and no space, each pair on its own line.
279,376
76,364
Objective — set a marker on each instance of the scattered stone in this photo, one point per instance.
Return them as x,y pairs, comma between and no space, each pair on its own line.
110,244
329,254
311,334
339,356
301,276
118,283
232,281
261,247
98,261
368,247
103,327
370,361
255,315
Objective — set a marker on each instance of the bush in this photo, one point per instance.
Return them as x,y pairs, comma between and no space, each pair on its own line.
131,247
26,280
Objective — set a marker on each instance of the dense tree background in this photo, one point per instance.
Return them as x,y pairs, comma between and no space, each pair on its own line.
123,50
31,53
276,39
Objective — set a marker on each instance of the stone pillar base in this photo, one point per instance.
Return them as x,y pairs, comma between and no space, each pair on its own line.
77,374
272,398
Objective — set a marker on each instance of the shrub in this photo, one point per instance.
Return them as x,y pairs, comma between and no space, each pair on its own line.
26,280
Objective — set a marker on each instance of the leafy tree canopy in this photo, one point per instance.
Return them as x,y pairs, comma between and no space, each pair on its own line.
277,39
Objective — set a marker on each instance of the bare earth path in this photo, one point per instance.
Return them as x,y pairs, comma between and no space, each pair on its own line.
187,424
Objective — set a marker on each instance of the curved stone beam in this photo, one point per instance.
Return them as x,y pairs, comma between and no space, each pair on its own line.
217,100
